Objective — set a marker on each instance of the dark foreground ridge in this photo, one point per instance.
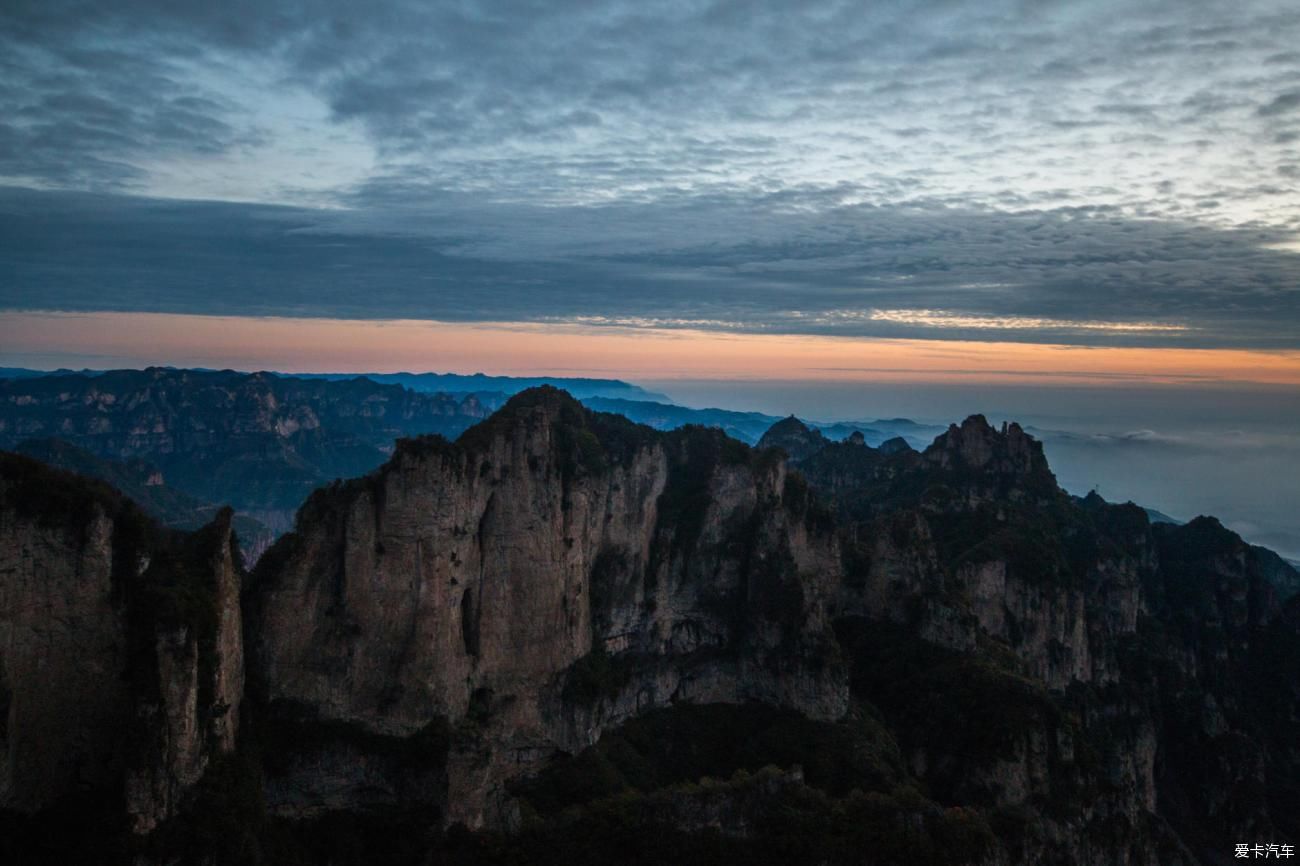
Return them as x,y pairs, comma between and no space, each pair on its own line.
567,638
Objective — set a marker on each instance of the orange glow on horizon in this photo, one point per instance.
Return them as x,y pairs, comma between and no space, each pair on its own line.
333,345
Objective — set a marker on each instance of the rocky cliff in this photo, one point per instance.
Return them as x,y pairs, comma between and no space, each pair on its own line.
1119,654
550,575
577,637
121,649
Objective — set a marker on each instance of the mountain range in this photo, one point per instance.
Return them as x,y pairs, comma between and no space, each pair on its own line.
261,442
605,395
568,638
749,427
425,382
430,383
142,483
258,442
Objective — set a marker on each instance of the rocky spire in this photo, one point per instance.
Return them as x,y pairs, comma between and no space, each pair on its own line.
1009,458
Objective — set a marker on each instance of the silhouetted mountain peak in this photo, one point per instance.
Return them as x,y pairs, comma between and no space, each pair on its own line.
976,445
896,445
536,411
795,438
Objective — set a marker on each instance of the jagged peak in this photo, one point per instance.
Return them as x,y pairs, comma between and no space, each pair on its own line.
547,417
1207,523
975,446
545,396
788,424
544,406
1093,500
977,441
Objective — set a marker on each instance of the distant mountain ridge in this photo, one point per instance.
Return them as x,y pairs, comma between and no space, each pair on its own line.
25,373
604,395
749,427
581,388
257,441
427,383
1160,517
142,483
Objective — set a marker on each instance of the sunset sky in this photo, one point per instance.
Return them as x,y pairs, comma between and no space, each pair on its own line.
105,340
656,189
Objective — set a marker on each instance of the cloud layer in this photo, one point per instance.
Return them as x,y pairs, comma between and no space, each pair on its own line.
1083,172
856,271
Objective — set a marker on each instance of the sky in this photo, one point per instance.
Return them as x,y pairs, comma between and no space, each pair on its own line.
1095,173
926,204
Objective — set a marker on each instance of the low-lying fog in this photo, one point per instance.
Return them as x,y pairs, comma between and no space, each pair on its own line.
1232,452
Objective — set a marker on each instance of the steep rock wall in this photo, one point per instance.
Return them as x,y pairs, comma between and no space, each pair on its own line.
62,653
549,575
121,647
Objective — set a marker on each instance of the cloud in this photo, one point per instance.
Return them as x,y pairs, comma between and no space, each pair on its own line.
709,262
1280,104
946,319
1048,104
1093,173
1248,477
93,116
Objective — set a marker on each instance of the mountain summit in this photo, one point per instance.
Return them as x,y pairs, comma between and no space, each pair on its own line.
794,437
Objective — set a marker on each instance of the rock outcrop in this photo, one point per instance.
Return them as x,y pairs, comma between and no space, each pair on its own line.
62,640
895,445
193,716
121,647
551,574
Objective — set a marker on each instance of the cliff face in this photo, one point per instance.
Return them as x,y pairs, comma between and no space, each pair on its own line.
121,647
189,715
550,575
1123,653
62,640
556,575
